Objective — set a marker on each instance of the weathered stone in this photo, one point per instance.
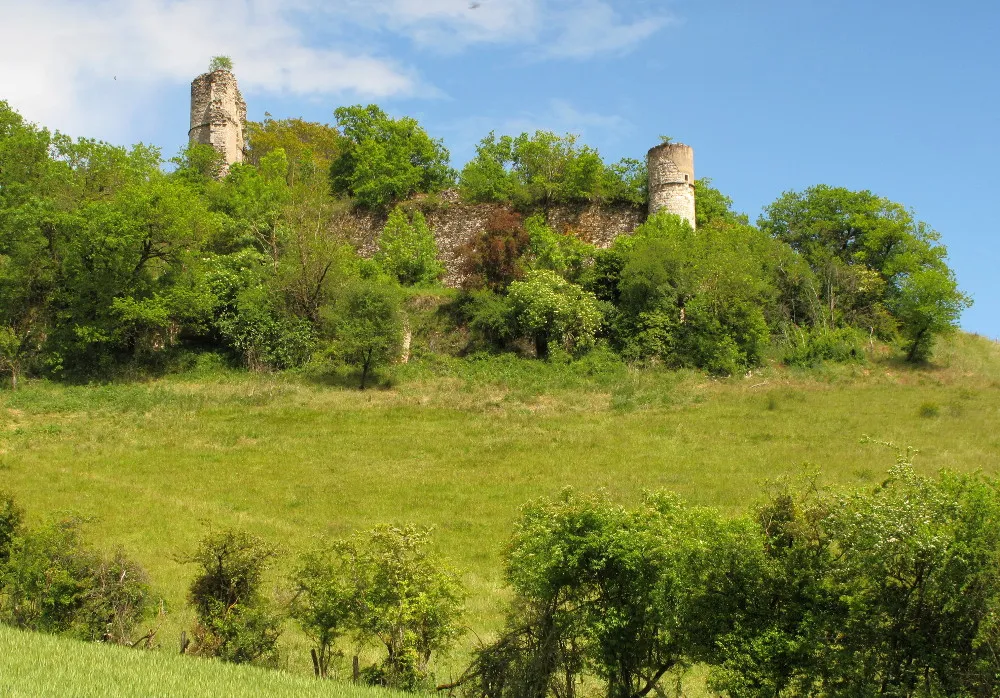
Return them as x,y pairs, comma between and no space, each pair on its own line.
671,180
218,115
456,223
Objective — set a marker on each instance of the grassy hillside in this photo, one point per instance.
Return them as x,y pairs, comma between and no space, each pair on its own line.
154,466
39,666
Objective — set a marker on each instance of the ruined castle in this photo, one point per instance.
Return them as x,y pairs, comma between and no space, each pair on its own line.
218,119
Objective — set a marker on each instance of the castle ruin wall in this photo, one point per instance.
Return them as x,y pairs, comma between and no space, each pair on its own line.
218,115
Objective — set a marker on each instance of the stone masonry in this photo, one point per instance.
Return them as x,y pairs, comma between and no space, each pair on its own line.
218,115
671,180
218,119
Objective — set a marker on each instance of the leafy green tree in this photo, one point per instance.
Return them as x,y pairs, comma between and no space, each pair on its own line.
11,520
545,169
384,586
235,622
310,147
928,305
547,308
614,597
694,299
406,249
892,592
367,325
865,251
386,160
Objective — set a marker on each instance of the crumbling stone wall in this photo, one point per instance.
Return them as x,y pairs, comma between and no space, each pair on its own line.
218,115
455,223
671,180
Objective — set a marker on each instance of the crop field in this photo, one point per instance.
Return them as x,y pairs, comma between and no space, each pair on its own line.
33,665
151,467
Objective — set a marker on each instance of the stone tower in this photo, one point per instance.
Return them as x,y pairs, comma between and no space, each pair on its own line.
671,180
218,115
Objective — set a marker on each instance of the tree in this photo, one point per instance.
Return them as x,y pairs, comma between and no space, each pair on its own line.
367,325
11,520
892,591
546,169
694,298
928,305
385,586
235,622
614,597
52,582
407,251
864,249
547,308
220,63
385,160
310,147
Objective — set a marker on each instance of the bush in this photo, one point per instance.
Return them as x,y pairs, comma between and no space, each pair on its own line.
384,586
366,322
545,169
11,519
407,251
547,308
492,260
235,622
53,583
809,347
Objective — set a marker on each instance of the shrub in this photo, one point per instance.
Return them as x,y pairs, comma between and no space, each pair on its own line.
809,347
220,63
235,622
407,251
366,322
11,520
53,583
384,586
493,259
547,308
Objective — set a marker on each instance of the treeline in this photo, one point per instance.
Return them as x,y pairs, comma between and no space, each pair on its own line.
893,591
111,266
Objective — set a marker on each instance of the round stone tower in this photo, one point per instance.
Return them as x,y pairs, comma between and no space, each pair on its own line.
671,180
218,115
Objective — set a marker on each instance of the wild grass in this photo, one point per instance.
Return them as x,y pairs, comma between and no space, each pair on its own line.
33,665
461,445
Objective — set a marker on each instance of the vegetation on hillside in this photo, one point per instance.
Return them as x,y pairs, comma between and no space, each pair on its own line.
110,266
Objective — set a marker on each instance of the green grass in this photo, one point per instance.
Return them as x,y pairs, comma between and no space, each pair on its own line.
36,666
461,446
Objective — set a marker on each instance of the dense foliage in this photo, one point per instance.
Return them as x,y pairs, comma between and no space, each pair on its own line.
546,169
50,581
111,266
385,160
383,587
889,592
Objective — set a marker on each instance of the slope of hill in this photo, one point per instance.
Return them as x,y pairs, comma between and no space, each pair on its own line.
462,445
39,666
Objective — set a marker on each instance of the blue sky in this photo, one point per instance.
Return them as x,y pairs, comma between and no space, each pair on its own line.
900,97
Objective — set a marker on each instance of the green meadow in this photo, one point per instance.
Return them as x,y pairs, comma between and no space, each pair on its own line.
152,467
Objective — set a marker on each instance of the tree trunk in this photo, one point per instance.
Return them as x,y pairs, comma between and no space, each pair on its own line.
364,368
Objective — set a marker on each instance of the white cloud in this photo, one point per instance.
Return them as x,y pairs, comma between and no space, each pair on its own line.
70,64
594,27
98,67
